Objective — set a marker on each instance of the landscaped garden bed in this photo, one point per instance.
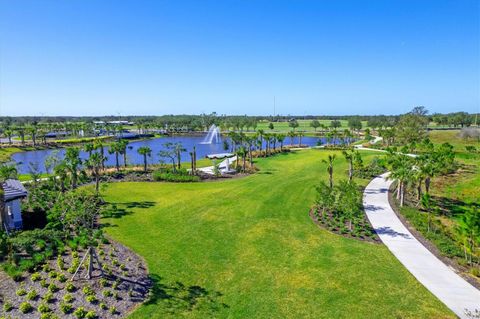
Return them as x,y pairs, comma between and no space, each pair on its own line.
118,284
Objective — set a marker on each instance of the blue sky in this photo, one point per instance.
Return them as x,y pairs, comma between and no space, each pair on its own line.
88,57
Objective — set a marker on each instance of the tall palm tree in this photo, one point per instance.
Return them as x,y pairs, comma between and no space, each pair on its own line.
349,156
97,143
89,148
300,135
123,147
179,149
94,163
260,136
73,162
329,162
280,139
402,172
144,151
116,148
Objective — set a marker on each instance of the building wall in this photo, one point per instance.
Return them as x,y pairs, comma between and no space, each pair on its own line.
13,211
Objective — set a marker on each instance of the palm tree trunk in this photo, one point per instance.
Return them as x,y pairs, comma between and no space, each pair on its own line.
117,164
145,162
402,194
125,158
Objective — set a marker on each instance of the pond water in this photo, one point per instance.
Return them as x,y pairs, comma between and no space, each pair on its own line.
25,160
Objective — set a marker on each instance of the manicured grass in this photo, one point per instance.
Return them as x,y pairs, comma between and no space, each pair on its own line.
246,248
304,125
6,152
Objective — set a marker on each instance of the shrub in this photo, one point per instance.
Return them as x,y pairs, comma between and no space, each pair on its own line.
91,299
65,307
91,315
35,277
103,282
48,315
46,268
115,262
80,312
60,262
25,307
70,287
21,292
61,278
103,306
68,298
52,287
43,283
32,295
174,177
53,274
48,297
43,308
7,306
112,310
107,293
87,290
123,267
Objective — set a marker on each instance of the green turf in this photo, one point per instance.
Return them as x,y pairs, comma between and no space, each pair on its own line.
304,125
246,248
6,152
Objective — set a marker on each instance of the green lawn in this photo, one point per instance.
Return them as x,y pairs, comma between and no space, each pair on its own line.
246,248
304,125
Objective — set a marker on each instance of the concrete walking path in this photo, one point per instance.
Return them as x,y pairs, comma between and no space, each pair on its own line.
456,293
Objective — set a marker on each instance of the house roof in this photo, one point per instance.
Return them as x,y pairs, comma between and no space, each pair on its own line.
13,189
220,155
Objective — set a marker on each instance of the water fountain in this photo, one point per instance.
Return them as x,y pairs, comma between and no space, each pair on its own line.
213,135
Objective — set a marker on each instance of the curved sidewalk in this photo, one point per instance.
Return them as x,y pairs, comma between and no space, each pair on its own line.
441,280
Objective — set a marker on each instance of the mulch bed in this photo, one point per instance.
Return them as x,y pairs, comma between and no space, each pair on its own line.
373,238
120,280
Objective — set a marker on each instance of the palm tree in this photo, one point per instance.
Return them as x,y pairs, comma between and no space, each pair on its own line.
300,135
260,136
292,135
61,171
280,139
99,145
94,163
349,156
89,147
179,149
402,172
116,148
426,204
144,151
242,152
72,162
329,162
8,133
123,146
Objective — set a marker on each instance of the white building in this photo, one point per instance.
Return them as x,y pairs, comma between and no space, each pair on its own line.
14,192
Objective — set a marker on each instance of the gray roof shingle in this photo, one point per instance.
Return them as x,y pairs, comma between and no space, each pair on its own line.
13,189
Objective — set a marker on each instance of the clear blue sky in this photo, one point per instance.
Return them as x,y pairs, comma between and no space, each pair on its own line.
89,57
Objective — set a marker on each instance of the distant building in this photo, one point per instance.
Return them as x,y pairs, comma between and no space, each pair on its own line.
14,192
113,122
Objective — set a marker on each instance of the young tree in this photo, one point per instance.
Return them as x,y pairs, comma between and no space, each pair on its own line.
144,151
270,126
293,124
329,162
349,156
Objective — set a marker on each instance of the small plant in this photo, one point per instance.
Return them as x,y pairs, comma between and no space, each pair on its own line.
107,293
115,262
74,254
123,267
53,274
43,283
61,278
70,287
68,298
103,306
35,277
60,262
80,312
91,299
112,310
65,307
25,307
46,268
48,297
7,306
103,282
87,290
21,292
52,287
91,315
32,295
48,315
116,295
43,308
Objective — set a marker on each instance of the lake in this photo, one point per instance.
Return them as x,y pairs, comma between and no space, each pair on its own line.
37,158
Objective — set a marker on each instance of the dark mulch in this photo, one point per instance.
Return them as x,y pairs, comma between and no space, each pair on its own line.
364,229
